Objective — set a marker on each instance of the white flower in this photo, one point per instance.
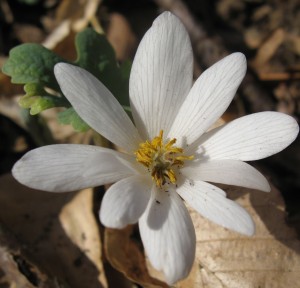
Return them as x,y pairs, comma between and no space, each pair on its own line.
154,172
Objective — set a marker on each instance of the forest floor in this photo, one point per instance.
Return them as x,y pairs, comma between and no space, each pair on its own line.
267,32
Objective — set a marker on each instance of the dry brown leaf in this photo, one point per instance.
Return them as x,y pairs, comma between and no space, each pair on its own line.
80,12
71,17
16,270
7,89
121,36
227,259
27,33
59,230
125,255
10,275
59,36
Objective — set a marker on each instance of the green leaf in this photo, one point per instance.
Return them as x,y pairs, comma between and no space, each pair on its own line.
69,116
125,70
96,55
32,63
38,100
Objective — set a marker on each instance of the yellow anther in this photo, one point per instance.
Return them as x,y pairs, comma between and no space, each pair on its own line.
161,159
171,175
170,143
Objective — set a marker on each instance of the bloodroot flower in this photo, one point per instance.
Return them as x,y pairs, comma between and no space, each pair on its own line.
168,156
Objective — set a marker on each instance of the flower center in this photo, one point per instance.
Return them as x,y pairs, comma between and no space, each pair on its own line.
161,159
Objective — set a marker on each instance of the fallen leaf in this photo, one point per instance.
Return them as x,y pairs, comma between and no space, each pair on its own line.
224,258
80,12
27,33
125,255
121,37
15,268
59,229
7,89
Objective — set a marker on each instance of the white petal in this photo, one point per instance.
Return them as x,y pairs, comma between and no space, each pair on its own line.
251,137
161,75
168,235
125,201
69,167
97,106
231,172
209,98
211,202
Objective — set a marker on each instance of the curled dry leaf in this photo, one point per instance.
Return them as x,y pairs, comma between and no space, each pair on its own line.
125,255
226,259
59,230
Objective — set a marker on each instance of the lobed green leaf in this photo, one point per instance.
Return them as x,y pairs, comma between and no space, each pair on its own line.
96,55
69,116
32,63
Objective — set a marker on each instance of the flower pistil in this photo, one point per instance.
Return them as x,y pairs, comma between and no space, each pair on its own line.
161,159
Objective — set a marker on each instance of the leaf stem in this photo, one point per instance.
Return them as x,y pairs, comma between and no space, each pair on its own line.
37,128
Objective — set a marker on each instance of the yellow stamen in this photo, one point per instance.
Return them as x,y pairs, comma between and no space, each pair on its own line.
161,159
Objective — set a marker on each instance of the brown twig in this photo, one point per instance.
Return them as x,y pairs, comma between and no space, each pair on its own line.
278,76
